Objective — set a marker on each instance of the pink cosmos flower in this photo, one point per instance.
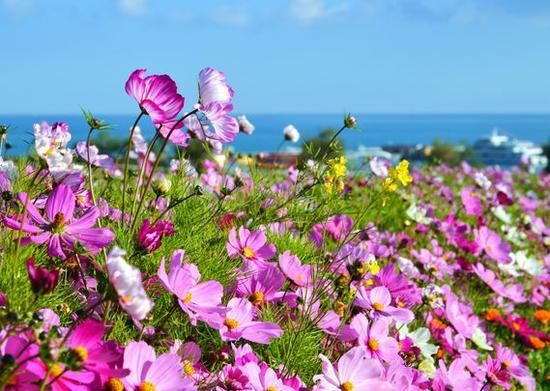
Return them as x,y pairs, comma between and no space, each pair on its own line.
190,355
42,279
28,370
460,316
150,236
95,355
497,373
354,372
250,246
292,266
59,228
518,369
95,158
455,378
260,282
201,301
378,301
374,336
472,204
262,377
493,245
149,372
513,292
339,226
215,97
157,95
240,324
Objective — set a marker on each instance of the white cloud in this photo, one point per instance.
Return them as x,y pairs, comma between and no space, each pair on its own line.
19,5
133,7
229,16
307,11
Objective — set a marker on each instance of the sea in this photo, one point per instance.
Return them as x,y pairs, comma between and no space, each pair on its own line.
373,129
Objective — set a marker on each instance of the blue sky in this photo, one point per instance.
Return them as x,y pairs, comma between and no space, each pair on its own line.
281,56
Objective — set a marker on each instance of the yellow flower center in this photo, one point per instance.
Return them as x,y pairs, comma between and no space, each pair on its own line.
507,363
126,299
516,326
299,278
271,388
146,386
248,252
188,298
373,344
347,386
400,303
81,352
114,385
368,283
55,371
257,298
230,323
377,306
188,368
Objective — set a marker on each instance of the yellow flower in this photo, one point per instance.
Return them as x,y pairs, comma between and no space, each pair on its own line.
335,172
403,173
398,175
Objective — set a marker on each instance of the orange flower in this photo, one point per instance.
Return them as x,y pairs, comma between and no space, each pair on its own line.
492,315
542,316
537,343
438,324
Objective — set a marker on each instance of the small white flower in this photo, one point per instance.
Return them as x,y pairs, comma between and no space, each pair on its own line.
245,125
420,337
127,282
480,339
418,214
482,181
291,133
502,215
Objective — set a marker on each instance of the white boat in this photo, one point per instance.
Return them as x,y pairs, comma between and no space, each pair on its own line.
504,151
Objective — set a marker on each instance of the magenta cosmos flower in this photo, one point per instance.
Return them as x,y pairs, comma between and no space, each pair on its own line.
240,324
493,245
354,372
59,228
378,301
95,355
149,372
201,301
251,246
157,95
374,336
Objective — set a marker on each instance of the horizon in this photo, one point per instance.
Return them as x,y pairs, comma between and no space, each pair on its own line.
294,56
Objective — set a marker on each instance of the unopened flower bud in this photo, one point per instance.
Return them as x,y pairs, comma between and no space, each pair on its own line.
350,121
162,186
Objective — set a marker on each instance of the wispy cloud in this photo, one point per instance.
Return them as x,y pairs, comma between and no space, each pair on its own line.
229,16
307,11
133,7
19,6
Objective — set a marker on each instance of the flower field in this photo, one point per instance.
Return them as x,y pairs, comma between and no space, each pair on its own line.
131,272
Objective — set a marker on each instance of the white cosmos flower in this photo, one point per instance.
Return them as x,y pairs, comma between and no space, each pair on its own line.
502,215
421,337
291,133
418,214
127,282
480,339
527,264
482,180
378,167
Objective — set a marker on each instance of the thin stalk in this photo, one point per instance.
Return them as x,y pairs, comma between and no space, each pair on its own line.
127,160
143,168
90,179
155,165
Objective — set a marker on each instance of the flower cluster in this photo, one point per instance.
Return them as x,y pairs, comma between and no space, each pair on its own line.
311,278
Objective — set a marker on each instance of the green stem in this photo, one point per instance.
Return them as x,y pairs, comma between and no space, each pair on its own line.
155,165
127,160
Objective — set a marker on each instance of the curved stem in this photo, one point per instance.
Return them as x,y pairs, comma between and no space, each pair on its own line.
126,161
155,165
90,179
144,167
